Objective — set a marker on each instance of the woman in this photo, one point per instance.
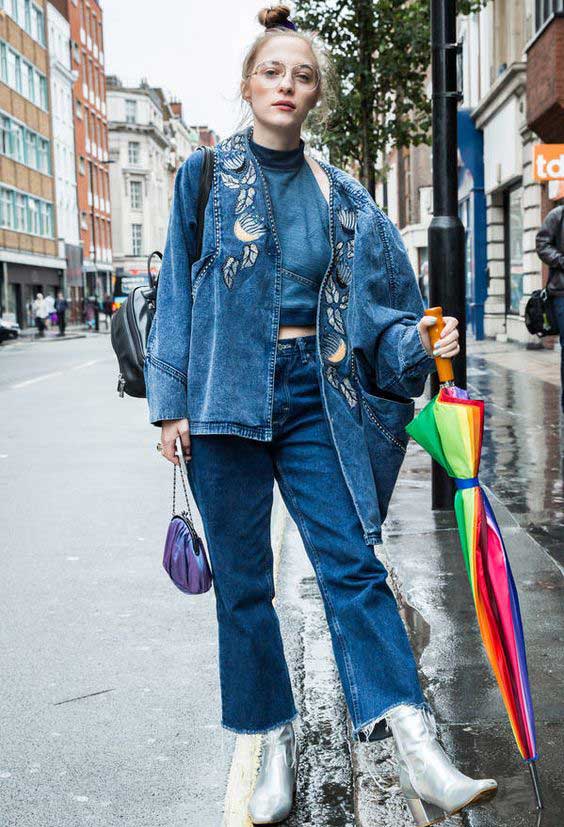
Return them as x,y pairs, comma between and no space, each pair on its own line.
302,323
40,313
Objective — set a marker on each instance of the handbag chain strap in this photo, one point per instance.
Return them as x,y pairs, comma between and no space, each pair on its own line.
185,494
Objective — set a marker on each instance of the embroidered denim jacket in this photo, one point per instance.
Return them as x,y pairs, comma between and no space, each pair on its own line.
211,349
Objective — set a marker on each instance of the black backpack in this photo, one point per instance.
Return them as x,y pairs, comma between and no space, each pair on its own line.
132,322
539,315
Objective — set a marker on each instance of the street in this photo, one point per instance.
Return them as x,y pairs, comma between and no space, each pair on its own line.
110,697
110,694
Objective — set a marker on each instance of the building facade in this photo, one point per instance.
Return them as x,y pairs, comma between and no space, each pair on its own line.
140,151
31,260
91,148
62,122
513,68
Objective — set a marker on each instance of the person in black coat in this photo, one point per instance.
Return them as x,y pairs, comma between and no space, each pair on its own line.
61,306
550,248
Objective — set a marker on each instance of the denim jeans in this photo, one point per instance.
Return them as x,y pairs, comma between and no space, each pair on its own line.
232,480
558,306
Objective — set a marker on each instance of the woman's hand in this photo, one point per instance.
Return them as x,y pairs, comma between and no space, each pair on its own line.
447,345
170,431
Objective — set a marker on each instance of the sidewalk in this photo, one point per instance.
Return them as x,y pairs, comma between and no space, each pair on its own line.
522,468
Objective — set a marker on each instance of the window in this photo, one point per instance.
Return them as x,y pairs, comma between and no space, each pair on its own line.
11,69
78,109
31,150
130,111
136,230
513,204
133,152
33,216
136,196
5,136
21,213
18,145
544,9
81,167
43,93
44,156
7,208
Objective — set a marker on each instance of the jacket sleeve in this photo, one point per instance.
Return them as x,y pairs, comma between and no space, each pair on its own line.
396,351
168,342
546,240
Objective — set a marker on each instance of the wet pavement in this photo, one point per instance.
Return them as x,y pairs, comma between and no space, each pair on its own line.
522,471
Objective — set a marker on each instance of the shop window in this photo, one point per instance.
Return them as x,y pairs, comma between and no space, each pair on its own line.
513,221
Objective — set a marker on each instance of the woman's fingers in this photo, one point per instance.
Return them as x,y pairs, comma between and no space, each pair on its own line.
447,345
185,440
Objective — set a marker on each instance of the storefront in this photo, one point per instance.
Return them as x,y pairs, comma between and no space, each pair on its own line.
22,282
472,213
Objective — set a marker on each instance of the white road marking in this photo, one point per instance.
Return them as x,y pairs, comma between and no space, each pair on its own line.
56,373
86,364
38,379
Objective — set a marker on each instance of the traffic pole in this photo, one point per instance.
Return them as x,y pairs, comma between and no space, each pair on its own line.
446,232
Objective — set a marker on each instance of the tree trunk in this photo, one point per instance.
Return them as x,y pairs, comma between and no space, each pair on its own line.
364,13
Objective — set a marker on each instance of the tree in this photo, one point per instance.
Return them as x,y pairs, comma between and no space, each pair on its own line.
380,52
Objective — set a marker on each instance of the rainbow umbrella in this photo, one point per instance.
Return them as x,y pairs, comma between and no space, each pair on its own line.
450,427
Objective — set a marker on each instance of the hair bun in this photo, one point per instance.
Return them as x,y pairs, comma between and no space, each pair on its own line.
274,16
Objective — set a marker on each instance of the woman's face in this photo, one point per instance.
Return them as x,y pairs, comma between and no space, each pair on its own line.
283,100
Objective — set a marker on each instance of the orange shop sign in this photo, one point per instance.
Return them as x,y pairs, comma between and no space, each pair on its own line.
548,162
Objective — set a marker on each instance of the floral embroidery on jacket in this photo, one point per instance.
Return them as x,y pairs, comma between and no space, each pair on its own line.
248,225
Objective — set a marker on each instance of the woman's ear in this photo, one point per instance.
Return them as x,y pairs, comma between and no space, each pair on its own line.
244,91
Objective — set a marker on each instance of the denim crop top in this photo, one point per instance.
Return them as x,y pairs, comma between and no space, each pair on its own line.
301,214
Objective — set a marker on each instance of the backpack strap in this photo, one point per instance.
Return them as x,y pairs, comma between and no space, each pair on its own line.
206,179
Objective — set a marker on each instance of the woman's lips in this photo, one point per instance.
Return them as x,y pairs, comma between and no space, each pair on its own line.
288,107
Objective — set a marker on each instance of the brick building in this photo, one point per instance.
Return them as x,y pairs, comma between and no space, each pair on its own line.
30,256
91,146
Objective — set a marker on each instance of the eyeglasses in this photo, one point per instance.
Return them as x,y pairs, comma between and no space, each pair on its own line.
271,72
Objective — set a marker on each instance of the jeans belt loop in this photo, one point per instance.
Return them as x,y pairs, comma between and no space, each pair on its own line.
303,349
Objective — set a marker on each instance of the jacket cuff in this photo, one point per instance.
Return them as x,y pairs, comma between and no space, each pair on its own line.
413,356
166,391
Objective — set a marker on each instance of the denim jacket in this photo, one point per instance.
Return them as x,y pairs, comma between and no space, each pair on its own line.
211,349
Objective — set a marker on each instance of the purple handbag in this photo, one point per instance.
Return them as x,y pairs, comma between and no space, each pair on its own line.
184,557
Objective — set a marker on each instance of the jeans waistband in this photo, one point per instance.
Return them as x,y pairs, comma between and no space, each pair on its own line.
301,344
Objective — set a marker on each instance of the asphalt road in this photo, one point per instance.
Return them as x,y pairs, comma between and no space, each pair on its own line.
109,698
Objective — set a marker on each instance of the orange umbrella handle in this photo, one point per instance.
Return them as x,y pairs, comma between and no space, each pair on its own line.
444,366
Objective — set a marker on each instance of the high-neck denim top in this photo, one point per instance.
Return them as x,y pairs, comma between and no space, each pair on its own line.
302,221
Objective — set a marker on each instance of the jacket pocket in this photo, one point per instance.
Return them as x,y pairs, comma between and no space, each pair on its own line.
385,411
383,417
199,270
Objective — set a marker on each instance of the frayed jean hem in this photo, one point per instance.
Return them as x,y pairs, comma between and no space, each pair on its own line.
260,731
371,722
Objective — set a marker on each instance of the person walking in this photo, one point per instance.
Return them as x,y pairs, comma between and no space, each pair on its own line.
550,249
108,308
290,350
40,312
61,306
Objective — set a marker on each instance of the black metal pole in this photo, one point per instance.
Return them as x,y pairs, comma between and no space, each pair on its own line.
446,232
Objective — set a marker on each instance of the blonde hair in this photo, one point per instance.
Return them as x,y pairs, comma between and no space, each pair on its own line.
274,20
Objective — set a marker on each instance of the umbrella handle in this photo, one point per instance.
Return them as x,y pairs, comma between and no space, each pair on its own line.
444,366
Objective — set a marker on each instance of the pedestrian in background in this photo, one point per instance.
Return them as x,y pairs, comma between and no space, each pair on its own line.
61,306
108,309
90,312
40,312
295,246
550,248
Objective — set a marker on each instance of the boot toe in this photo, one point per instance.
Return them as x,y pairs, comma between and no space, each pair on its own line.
268,809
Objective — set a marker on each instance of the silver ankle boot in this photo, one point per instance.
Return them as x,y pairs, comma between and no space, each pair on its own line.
273,795
433,787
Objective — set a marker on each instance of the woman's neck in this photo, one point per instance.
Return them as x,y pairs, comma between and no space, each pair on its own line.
274,137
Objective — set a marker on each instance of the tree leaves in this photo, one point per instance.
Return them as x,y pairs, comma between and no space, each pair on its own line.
380,51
